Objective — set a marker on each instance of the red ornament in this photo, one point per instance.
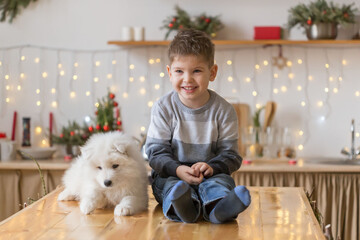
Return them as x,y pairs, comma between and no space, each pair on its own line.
91,129
208,20
72,133
98,127
181,27
346,15
115,104
174,19
324,12
171,25
61,135
309,22
106,128
111,95
119,123
96,113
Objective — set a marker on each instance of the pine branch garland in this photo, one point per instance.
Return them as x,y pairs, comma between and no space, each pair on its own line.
11,8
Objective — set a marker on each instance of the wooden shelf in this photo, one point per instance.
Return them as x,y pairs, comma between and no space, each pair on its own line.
246,42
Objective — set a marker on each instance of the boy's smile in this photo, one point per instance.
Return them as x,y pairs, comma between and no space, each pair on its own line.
190,76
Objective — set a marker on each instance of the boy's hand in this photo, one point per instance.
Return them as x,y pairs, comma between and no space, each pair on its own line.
203,168
189,175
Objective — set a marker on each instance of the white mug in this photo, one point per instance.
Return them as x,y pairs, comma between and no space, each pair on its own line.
127,34
139,33
7,150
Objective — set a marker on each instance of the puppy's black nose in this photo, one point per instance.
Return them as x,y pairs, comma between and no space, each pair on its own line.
107,183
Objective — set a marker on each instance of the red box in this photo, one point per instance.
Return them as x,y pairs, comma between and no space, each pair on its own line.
268,32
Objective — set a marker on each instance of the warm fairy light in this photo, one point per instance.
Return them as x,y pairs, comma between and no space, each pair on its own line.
258,106
37,91
303,103
59,65
44,74
265,63
37,60
276,75
97,63
142,91
75,77
54,104
151,61
113,88
23,58
234,90
62,73
143,129
132,66
283,88
301,133
131,79
109,76
0,63
340,79
335,90
158,60
22,75
327,65
113,62
38,130
96,79
7,87
275,90
228,62
142,78
44,142
300,147
331,79
7,100
344,62
299,61
7,77
162,74
38,103
150,103
97,104
230,78
76,64
289,63
326,89
257,66
87,93
18,87
291,75
310,78
125,95
320,103
72,94
299,88
157,86
254,93
248,79
357,134
357,93
53,90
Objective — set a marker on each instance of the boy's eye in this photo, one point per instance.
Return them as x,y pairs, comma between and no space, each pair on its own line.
115,166
197,71
99,167
178,71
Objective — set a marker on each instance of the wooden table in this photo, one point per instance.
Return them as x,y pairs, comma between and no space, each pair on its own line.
275,213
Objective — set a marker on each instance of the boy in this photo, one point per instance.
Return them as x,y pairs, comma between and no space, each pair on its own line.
192,139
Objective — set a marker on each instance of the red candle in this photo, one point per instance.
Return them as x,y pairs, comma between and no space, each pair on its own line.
13,127
50,128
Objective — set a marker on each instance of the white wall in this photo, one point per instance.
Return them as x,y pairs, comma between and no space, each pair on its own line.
69,30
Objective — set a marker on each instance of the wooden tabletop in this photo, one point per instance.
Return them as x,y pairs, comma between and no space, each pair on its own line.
275,213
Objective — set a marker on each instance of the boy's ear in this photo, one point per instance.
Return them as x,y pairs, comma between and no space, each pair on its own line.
168,70
213,72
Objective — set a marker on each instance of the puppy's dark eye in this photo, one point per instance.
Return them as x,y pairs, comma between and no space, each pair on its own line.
99,167
115,166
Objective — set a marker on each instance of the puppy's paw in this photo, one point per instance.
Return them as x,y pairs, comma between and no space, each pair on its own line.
86,207
122,210
66,196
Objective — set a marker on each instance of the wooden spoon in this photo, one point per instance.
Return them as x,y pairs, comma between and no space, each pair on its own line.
270,110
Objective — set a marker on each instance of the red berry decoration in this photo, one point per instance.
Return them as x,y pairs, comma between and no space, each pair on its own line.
174,19
208,20
72,133
91,129
61,135
98,127
96,113
115,104
106,128
111,95
309,22
118,123
171,25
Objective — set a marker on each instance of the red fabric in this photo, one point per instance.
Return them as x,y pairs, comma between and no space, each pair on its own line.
269,32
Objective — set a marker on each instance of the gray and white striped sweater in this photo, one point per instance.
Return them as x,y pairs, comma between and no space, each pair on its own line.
180,135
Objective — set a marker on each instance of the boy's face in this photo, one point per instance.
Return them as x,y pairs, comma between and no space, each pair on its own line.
190,76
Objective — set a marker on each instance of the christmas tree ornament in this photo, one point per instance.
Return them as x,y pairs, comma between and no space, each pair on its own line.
279,61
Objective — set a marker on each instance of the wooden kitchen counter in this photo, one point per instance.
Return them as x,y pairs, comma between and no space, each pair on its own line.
275,213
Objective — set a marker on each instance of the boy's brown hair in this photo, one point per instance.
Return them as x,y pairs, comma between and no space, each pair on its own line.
192,42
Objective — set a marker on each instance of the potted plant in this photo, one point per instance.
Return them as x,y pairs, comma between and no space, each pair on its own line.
320,19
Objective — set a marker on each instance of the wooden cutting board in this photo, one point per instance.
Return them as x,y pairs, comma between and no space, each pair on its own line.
244,118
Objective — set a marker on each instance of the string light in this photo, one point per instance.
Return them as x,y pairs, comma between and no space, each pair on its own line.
228,62
125,95
331,79
151,61
257,66
113,62
132,66
0,63
157,86
7,87
37,60
301,133
97,104
276,75
62,73
230,79
254,93
303,103
258,106
344,62
275,90
96,79
76,64
18,87
327,65
72,94
142,79
75,77
142,129
299,61
320,103
340,79
7,100
142,91
357,93
150,103
265,63
162,74
283,88
23,58
289,63
300,147
158,60
44,74
299,88
291,75
38,103
37,91
310,78
22,75
87,93
97,63
7,77
131,79
54,104
38,130
248,79
109,76
335,90
234,90
53,90
59,65
326,89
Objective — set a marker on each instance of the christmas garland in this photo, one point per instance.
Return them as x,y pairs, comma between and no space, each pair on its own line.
11,8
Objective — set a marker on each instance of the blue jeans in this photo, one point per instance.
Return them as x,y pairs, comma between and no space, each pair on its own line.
208,191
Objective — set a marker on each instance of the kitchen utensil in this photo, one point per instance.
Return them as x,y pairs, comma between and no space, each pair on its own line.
270,110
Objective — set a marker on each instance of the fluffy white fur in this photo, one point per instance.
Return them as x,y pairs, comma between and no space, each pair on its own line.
108,157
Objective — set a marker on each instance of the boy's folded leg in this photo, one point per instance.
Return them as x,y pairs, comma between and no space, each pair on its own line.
182,202
231,205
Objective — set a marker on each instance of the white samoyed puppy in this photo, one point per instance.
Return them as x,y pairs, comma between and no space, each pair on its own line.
109,172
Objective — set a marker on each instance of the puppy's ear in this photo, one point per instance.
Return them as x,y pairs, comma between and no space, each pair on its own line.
121,148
